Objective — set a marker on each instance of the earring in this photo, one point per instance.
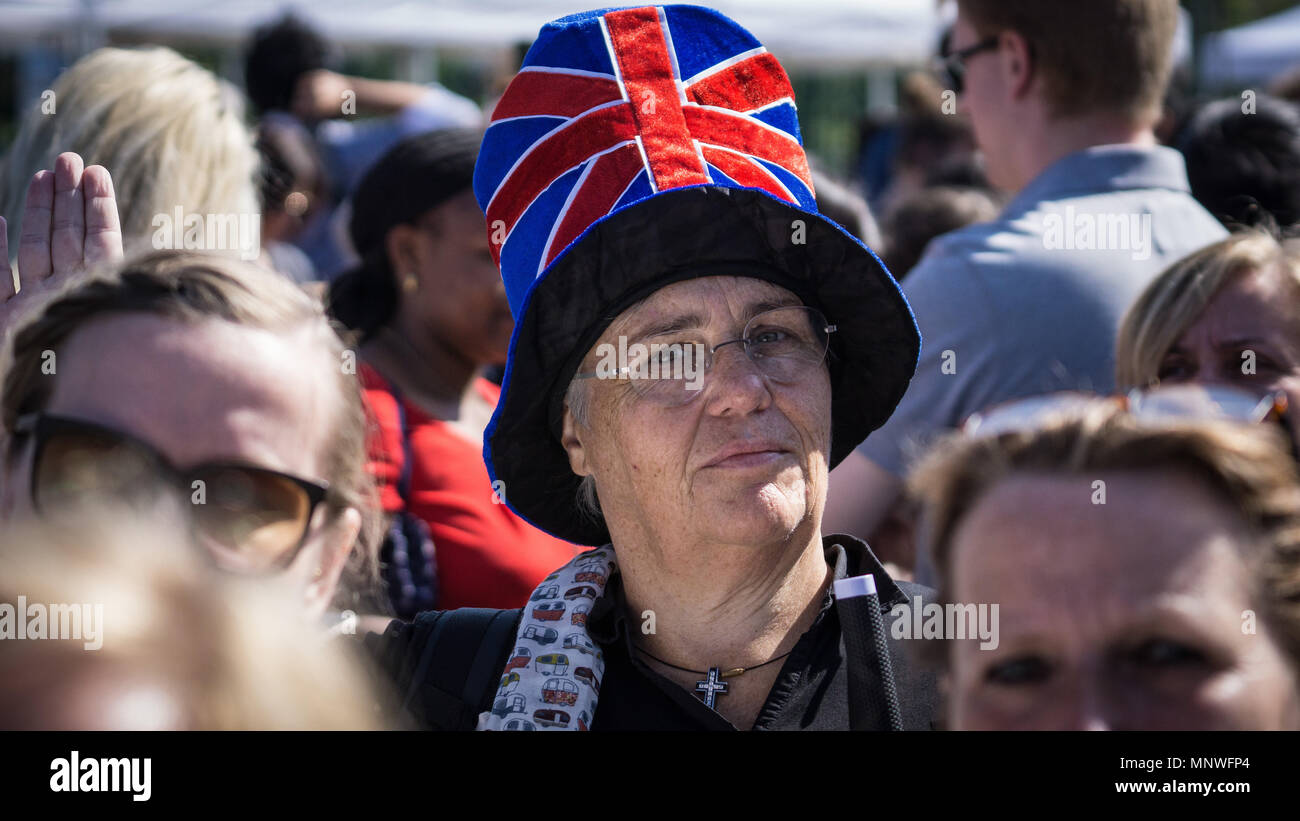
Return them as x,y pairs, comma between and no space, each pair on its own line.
410,284
319,572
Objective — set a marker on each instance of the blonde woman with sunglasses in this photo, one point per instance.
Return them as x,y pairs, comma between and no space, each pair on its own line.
190,373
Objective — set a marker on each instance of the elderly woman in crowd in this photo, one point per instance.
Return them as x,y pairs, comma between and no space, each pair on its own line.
222,380
1145,567
695,347
1228,314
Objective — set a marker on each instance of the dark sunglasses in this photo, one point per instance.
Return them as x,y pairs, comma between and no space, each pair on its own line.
951,66
257,518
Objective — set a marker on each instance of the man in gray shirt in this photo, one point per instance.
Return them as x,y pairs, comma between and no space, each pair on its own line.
1063,98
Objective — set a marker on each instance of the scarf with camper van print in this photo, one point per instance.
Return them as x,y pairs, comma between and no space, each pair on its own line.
553,677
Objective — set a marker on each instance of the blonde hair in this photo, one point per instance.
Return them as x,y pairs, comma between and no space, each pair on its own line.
170,133
201,649
1249,465
189,287
1175,299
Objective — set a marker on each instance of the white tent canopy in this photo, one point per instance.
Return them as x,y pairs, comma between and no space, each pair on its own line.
1255,52
849,32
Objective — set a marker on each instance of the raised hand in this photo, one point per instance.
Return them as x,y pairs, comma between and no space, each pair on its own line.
70,224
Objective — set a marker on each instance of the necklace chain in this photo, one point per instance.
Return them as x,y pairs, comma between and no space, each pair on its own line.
734,671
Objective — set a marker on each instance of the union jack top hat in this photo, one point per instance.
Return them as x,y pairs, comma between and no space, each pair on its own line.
639,147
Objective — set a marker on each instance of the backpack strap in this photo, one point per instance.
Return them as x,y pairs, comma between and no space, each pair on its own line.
404,476
452,665
408,555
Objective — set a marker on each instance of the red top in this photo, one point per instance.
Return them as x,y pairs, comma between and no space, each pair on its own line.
487,556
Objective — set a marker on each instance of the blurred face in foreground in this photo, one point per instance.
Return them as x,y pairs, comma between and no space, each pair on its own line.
159,641
1127,615
1248,336
207,392
743,461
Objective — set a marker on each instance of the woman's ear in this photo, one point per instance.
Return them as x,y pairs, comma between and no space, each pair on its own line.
569,437
401,243
336,541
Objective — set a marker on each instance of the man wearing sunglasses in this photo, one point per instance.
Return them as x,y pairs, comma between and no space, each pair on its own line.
180,373
1063,99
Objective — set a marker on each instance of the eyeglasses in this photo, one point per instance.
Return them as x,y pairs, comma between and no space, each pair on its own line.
257,517
782,343
951,67
1155,405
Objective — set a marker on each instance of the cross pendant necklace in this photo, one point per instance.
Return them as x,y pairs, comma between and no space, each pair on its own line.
713,686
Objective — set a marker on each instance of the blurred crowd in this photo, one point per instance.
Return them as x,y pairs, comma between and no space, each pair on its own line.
252,451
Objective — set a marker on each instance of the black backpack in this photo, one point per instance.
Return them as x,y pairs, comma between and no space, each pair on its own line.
447,664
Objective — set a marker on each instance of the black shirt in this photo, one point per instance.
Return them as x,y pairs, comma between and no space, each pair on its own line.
446,676
810,692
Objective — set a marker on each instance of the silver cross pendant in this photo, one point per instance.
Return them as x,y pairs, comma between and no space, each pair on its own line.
712,687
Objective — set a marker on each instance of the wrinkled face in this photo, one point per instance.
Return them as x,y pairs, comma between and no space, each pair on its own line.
1248,336
461,299
207,392
1128,615
744,462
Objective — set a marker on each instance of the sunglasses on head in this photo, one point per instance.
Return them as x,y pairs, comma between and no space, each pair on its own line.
1159,405
254,519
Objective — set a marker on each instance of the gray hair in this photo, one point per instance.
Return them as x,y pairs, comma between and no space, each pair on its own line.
577,398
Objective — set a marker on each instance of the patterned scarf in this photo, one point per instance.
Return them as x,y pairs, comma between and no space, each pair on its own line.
552,679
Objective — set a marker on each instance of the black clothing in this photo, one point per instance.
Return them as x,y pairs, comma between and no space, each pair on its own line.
810,693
